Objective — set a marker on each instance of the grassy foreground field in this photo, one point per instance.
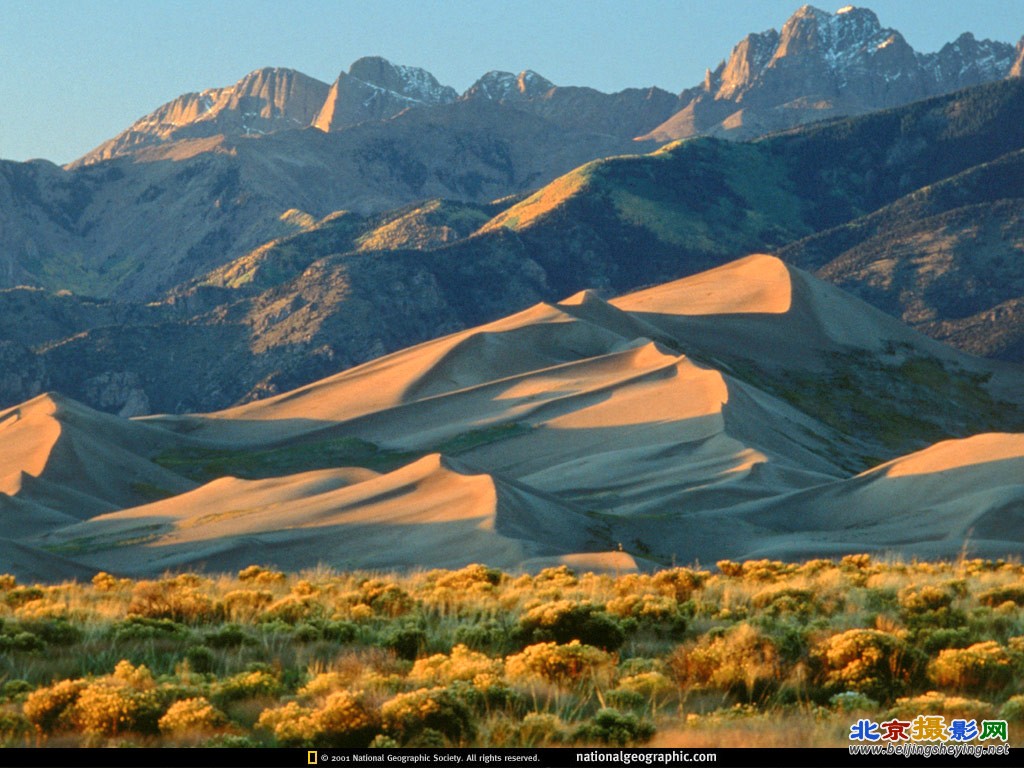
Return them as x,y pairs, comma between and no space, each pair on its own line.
761,653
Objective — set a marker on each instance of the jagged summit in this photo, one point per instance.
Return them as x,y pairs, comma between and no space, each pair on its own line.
826,64
412,82
505,86
264,101
375,89
820,65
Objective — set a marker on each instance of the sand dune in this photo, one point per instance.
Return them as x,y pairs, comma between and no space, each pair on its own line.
59,453
958,495
30,564
433,512
613,435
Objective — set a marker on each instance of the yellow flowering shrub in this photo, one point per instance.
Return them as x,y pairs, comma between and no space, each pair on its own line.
875,663
462,664
192,715
570,665
983,666
437,709
45,707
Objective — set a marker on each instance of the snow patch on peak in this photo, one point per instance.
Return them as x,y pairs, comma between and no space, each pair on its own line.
846,9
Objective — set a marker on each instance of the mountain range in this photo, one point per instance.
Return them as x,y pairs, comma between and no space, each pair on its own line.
214,174
819,65
853,201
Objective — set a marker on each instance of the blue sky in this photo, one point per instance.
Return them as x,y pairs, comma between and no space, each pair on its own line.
76,72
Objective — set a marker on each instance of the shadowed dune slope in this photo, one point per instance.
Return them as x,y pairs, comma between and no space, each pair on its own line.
433,512
61,454
956,496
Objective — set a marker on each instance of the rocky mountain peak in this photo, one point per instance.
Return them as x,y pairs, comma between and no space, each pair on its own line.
375,89
968,61
412,82
272,94
1017,70
748,58
834,37
506,86
263,101
826,64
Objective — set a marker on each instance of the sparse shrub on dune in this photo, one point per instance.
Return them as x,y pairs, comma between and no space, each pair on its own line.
143,628
922,599
126,700
1013,709
257,574
997,596
293,609
461,664
16,597
386,598
291,724
105,708
15,690
928,606
539,729
45,708
649,685
257,683
484,635
652,610
851,701
105,582
343,720
406,640
609,726
935,703
325,630
346,720
246,604
679,583
15,729
180,599
452,588
228,636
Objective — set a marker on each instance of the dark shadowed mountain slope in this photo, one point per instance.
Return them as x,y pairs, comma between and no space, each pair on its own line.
138,226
